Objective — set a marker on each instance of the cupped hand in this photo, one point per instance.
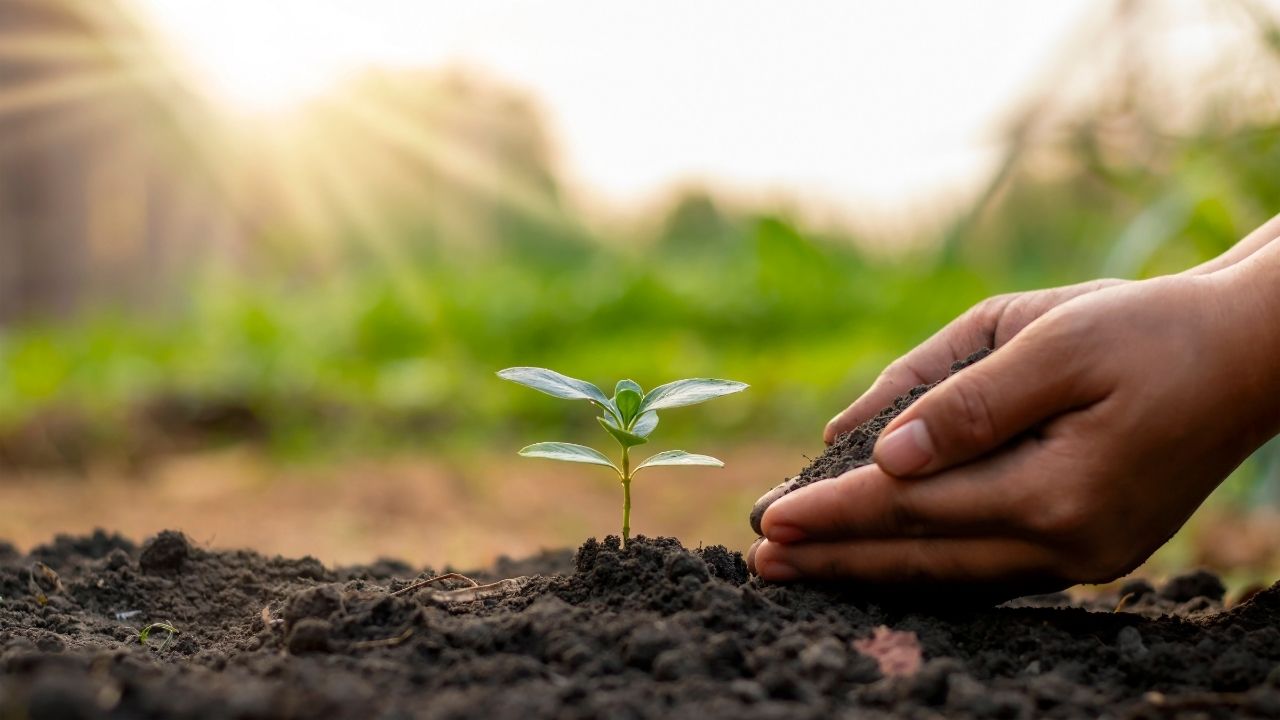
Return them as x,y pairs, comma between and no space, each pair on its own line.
989,324
1067,456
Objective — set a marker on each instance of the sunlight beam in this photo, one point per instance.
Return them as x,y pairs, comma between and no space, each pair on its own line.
258,58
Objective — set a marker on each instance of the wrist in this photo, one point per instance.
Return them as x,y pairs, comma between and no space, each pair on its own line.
1250,291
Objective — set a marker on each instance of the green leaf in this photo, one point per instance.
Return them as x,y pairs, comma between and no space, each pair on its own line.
555,384
645,424
628,403
628,385
688,392
679,457
612,412
567,452
626,438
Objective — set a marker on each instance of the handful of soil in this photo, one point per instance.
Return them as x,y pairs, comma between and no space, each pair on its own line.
852,449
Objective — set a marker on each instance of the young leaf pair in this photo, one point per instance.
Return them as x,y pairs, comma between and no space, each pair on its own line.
630,416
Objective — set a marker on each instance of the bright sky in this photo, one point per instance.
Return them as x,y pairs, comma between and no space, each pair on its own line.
878,105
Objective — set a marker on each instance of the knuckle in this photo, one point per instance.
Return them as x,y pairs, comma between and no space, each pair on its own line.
834,565
987,314
971,413
851,500
889,377
921,562
902,515
948,566
979,311
989,309
1068,325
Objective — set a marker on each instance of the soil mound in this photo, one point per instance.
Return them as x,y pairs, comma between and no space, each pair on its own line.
649,631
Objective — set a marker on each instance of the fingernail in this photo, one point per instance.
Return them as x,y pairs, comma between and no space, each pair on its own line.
905,450
829,428
751,556
776,570
784,534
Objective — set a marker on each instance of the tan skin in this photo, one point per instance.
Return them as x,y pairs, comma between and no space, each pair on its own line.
1106,415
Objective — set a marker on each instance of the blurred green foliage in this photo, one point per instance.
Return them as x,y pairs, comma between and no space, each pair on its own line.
393,350
354,360
351,359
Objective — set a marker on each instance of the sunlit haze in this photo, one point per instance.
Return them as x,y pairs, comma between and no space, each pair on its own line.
262,263
875,107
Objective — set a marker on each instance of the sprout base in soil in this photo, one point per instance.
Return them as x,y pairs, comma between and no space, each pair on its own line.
630,417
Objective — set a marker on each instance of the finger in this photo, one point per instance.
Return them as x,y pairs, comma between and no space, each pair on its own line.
929,362
868,502
906,561
751,555
1032,378
991,323
895,380
764,501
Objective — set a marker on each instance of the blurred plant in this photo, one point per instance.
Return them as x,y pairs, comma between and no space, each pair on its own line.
629,416
144,635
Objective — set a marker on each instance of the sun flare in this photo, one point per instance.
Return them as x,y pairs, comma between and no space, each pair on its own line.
255,57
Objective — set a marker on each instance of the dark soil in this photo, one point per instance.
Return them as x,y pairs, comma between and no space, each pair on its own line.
852,449
652,631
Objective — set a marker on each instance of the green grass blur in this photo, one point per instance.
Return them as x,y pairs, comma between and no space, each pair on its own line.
371,351
355,360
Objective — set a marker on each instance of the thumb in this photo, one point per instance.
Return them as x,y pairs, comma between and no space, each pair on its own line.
982,407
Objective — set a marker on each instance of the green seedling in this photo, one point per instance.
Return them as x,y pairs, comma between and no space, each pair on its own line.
630,416
145,633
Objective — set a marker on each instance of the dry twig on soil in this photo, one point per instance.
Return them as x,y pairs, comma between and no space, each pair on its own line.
477,591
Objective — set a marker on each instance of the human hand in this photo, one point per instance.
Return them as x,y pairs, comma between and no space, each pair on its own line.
1067,456
989,324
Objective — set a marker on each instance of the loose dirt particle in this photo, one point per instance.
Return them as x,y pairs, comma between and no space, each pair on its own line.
1201,583
165,552
309,635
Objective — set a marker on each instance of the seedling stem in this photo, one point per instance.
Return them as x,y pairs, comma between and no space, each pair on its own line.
626,494
629,417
